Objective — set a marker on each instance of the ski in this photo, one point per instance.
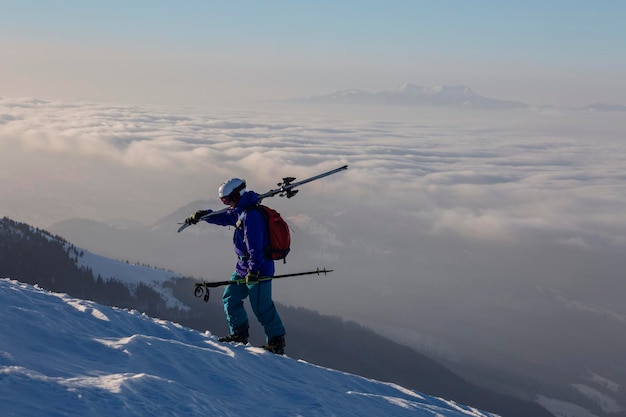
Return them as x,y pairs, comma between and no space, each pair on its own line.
202,288
286,188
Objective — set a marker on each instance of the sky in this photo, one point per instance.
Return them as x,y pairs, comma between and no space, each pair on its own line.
230,53
64,356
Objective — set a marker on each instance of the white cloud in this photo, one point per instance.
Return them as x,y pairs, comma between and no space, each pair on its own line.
471,176
577,242
488,225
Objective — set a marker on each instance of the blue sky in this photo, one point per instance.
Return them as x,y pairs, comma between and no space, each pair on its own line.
200,52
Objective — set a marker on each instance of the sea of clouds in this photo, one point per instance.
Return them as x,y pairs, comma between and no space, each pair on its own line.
433,198
487,176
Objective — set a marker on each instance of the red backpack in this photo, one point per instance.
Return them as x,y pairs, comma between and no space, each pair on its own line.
278,232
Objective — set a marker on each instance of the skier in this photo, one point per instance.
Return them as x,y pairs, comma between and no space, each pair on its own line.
250,239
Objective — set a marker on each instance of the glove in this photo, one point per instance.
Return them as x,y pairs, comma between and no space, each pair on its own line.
195,218
252,278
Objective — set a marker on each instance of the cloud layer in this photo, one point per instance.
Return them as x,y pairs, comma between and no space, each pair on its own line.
492,177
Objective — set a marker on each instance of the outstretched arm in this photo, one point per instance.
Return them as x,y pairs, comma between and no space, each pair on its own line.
228,218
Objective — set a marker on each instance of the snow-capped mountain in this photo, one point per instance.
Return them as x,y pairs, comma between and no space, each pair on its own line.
408,94
64,356
433,90
602,107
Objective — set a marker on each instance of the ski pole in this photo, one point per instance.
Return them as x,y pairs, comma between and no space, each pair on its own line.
202,288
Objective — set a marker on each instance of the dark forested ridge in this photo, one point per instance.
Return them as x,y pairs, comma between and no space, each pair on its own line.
35,256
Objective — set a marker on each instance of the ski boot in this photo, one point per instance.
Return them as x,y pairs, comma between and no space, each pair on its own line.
276,345
239,336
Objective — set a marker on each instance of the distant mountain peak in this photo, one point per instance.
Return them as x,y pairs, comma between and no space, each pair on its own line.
406,88
602,107
349,93
408,94
432,90
451,90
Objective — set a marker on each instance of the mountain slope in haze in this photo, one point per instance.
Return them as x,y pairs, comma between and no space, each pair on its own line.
147,243
322,340
62,356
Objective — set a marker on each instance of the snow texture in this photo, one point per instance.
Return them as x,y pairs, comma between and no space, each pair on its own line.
131,275
61,356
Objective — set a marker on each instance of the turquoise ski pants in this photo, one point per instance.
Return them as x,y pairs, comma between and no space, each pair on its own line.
260,296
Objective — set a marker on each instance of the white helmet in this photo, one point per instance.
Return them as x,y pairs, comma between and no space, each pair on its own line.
232,187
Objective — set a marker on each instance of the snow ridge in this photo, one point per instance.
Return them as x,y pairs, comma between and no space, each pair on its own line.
73,357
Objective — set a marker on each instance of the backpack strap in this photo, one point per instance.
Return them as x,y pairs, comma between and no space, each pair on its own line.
239,225
243,214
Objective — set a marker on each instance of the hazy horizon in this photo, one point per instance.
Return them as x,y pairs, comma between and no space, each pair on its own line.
242,52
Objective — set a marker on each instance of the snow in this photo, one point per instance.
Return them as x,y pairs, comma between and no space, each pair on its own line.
61,356
128,273
605,383
438,89
563,408
606,403
131,274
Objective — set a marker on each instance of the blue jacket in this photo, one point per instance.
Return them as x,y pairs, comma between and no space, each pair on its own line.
251,236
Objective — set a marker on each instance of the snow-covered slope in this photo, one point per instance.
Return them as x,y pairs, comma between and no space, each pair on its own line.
61,356
130,274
